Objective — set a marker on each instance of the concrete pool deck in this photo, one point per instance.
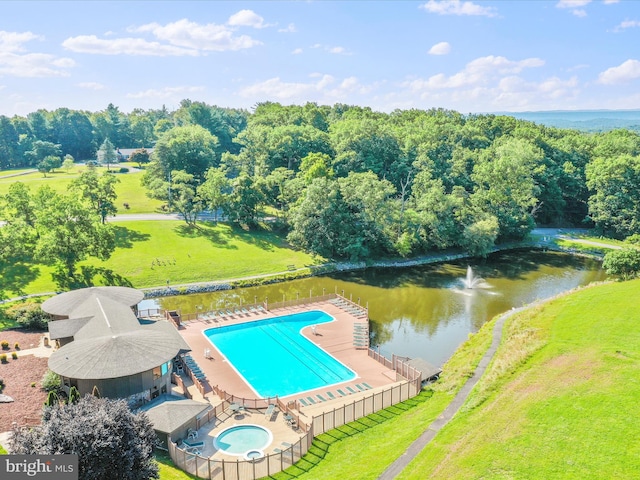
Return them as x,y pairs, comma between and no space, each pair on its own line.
336,338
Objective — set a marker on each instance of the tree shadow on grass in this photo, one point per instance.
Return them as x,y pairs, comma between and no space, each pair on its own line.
15,276
206,230
125,237
89,276
323,443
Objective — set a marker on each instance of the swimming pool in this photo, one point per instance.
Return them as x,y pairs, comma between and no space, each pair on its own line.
244,440
274,358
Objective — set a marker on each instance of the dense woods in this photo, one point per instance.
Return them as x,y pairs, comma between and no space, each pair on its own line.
348,182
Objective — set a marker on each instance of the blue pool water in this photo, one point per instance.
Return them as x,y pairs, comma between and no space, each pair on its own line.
275,359
239,439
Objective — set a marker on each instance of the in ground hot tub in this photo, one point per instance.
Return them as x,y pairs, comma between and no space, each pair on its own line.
244,440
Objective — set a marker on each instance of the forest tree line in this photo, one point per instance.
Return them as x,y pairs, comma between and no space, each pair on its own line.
348,182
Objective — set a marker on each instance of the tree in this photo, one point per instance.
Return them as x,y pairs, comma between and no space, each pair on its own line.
190,148
623,263
98,191
69,232
614,205
214,191
67,164
107,153
41,150
245,199
48,164
184,196
110,441
323,224
140,156
479,237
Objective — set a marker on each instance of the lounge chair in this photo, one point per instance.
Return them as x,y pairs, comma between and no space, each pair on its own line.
193,444
270,410
303,402
360,387
311,400
341,392
350,388
321,398
367,385
331,396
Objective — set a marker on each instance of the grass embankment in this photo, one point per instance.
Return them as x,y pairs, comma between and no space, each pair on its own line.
151,252
128,188
559,400
365,448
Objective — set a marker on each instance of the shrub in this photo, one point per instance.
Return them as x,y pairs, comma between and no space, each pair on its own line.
33,384
51,382
95,430
14,355
123,170
16,346
29,315
5,345
3,358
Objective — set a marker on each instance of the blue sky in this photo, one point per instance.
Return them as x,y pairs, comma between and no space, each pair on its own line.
471,56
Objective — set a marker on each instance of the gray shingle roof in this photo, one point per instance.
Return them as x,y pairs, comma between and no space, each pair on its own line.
66,328
65,303
173,412
108,339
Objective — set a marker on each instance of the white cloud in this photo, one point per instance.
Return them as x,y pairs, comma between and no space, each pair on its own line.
12,41
626,24
442,48
91,85
192,35
291,28
34,65
572,3
13,62
124,46
335,50
322,87
247,18
297,51
166,92
477,72
574,6
457,7
623,73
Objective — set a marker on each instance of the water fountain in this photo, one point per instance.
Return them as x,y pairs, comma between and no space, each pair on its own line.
471,281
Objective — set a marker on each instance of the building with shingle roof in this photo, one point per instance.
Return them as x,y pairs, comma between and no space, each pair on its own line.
104,346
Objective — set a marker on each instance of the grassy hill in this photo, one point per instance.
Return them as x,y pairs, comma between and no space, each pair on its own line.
559,401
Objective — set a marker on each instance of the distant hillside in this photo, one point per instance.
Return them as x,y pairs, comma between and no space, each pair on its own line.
583,120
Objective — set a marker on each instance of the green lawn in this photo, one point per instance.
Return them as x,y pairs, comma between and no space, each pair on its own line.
565,408
151,252
128,189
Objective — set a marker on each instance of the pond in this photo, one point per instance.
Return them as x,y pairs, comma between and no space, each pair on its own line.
424,312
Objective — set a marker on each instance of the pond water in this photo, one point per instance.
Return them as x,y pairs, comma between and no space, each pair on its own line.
424,311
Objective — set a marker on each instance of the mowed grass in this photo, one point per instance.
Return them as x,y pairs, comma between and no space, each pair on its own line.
365,448
560,400
128,189
151,252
